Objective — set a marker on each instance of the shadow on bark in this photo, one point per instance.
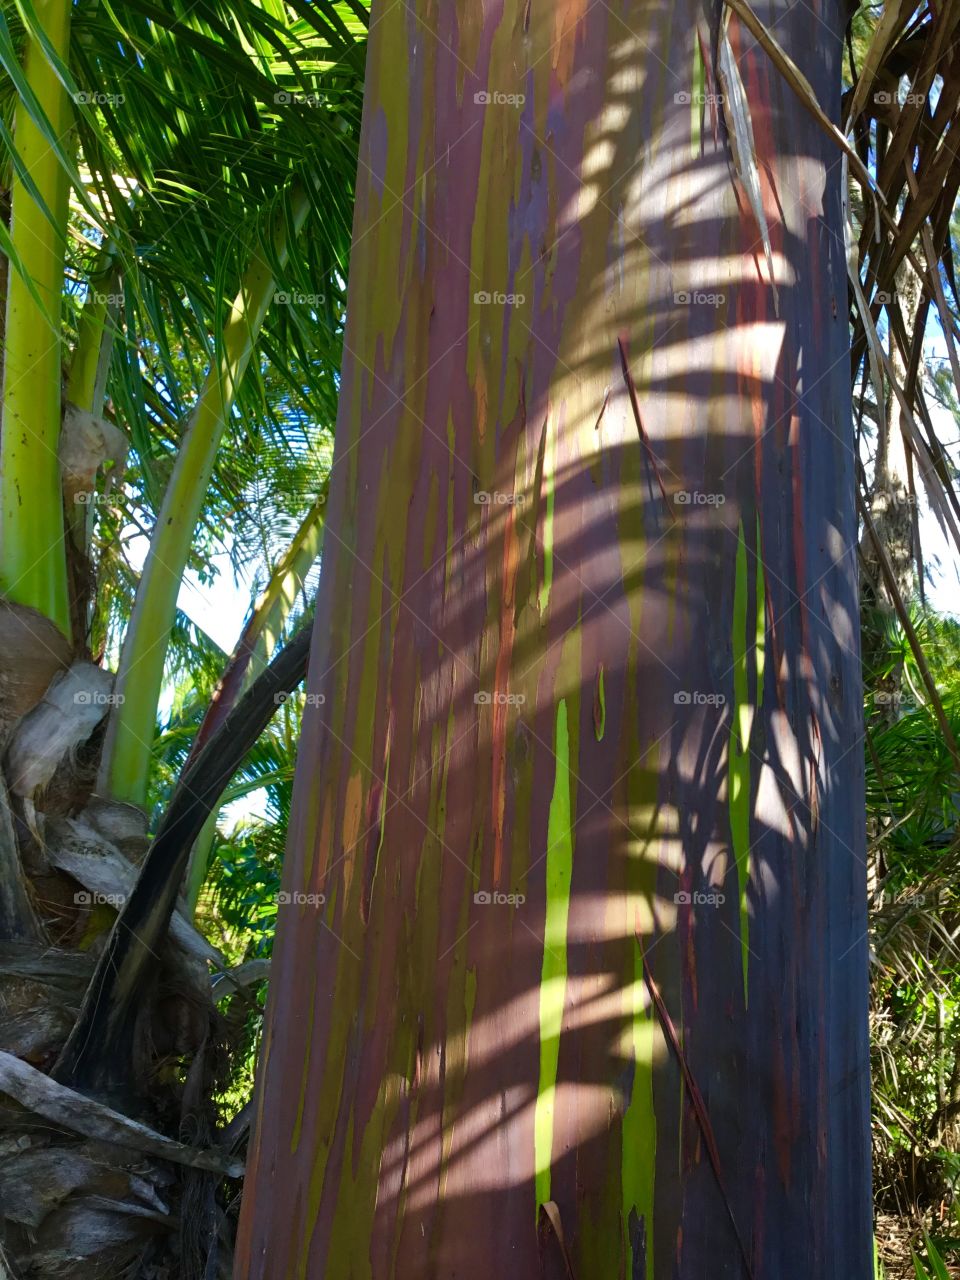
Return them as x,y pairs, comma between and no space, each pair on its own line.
586,690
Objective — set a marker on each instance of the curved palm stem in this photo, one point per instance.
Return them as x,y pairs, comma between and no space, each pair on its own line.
126,756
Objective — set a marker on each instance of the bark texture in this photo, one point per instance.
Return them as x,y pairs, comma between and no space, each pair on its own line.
571,978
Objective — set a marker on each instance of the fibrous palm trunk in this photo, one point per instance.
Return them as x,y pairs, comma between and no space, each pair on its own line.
111,1044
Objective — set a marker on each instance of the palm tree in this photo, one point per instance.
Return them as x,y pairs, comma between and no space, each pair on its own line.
162,166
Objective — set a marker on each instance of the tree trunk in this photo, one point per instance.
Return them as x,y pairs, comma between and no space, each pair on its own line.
571,976
32,563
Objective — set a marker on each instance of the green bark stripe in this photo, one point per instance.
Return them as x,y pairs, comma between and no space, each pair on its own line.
553,980
549,466
698,83
599,706
301,1103
738,766
639,1130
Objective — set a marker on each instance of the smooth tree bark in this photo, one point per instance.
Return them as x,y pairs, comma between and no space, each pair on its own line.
571,967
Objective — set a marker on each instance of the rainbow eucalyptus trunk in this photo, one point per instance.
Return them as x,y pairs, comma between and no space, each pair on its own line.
573,960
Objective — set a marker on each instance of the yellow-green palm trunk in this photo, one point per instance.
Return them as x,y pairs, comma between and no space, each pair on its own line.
87,372
275,605
199,857
32,559
126,758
